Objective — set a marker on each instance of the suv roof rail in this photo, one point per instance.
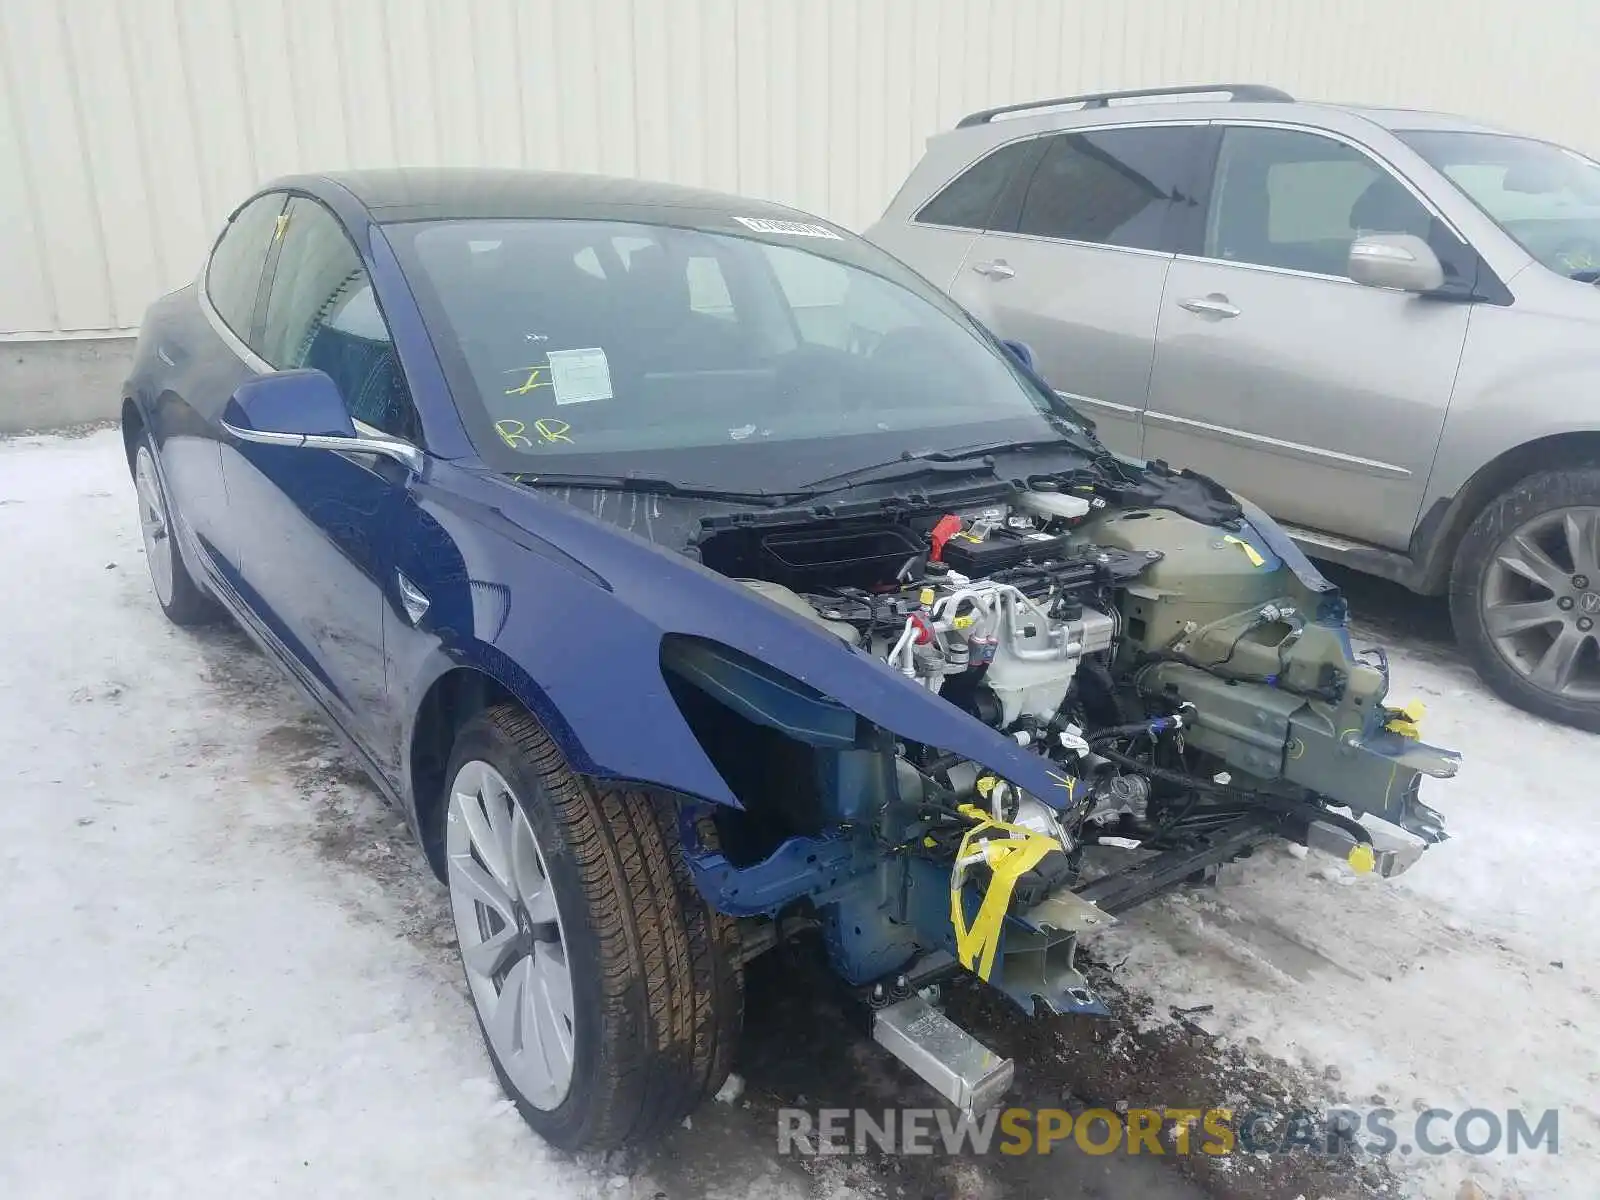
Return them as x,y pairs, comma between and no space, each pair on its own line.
1233,91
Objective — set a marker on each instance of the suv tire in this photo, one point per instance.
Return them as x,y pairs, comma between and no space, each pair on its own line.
1525,595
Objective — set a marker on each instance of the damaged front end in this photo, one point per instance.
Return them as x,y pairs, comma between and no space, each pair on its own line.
1170,688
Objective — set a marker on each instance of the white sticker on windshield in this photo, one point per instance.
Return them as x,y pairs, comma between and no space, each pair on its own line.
578,376
793,228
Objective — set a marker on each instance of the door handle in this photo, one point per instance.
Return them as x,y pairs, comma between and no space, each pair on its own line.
998,269
1214,305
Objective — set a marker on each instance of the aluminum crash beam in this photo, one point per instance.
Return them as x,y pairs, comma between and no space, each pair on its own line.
945,1056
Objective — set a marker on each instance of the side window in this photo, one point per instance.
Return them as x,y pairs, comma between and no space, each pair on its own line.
968,201
1296,200
1116,187
322,314
233,276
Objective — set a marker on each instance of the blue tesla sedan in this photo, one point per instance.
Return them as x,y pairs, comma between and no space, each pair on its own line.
692,574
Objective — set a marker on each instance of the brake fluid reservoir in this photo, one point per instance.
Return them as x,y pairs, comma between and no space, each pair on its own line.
1052,504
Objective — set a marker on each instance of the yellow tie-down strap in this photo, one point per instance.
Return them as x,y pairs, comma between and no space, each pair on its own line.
1011,854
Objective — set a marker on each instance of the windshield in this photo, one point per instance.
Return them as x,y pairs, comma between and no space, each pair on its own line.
747,361
1545,196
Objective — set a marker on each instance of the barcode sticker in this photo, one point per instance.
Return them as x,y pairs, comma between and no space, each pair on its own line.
792,228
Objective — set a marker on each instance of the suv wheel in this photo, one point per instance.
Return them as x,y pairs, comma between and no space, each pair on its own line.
1525,595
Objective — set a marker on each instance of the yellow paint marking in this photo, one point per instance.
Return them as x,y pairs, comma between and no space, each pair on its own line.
531,382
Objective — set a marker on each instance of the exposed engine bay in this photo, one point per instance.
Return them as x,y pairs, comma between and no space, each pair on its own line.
1188,685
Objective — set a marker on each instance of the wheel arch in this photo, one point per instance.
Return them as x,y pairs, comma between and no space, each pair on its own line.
457,695
1440,532
132,428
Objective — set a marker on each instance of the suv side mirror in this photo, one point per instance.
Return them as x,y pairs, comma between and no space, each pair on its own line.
303,408
1395,260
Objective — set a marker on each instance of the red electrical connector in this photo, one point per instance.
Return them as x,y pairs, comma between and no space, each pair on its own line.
949,525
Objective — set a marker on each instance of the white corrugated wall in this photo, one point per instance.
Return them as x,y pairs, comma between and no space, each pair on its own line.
129,128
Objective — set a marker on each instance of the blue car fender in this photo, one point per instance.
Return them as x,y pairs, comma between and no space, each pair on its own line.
587,607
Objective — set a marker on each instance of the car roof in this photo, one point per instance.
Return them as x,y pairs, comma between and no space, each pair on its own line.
442,193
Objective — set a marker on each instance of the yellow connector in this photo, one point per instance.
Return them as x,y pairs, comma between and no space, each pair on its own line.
1361,859
1406,720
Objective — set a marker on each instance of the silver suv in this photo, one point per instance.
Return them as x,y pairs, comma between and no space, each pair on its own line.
1380,325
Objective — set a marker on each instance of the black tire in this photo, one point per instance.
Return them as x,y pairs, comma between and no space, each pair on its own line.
654,969
1529,499
183,600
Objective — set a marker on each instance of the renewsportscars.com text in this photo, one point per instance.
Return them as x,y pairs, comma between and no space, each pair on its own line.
1211,1131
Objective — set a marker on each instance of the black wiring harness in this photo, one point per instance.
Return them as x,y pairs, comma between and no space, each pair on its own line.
1292,807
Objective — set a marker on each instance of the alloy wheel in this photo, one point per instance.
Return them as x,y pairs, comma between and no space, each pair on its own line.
510,932
153,524
1541,601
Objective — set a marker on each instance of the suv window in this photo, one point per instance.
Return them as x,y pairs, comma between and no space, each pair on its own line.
322,313
970,200
1116,187
1297,200
233,276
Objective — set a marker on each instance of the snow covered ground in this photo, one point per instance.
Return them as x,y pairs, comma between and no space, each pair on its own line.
222,970
191,1002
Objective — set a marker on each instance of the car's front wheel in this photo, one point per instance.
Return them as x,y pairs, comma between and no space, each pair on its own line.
608,991
1525,595
180,597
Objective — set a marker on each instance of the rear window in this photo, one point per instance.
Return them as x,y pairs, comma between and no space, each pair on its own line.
970,201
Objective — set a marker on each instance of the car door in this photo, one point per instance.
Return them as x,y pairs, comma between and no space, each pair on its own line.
1075,265
314,526
1319,398
200,360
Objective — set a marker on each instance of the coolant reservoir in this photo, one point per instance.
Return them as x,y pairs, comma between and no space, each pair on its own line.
1052,504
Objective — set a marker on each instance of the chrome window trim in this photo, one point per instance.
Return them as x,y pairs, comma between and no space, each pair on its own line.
1264,268
234,342
1060,241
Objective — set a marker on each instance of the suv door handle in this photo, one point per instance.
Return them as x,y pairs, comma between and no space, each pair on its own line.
998,269
1214,305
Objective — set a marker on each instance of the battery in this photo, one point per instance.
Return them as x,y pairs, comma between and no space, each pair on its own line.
977,560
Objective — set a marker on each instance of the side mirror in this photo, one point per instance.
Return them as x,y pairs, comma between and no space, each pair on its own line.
1020,351
1395,260
303,403
304,409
